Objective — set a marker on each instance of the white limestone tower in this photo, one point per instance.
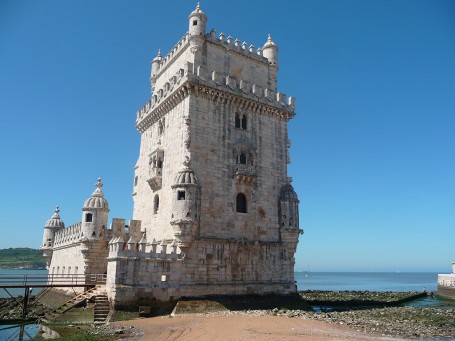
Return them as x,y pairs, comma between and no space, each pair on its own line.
95,214
230,213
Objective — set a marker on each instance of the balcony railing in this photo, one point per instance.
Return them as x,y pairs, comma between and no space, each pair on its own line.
50,280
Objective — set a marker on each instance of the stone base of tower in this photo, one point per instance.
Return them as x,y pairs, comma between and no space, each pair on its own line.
211,267
130,298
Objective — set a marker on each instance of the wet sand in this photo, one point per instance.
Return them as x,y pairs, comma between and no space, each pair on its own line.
205,327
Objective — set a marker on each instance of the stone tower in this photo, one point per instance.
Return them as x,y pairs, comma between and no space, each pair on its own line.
217,209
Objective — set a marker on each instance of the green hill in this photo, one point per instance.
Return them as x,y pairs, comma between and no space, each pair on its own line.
21,257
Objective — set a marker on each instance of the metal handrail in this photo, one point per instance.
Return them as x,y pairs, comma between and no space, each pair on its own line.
40,280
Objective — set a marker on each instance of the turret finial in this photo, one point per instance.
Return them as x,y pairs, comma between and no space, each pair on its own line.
98,183
159,53
187,161
98,192
56,213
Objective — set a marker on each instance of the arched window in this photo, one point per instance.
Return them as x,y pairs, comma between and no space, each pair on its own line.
240,203
88,218
242,159
156,204
237,121
244,122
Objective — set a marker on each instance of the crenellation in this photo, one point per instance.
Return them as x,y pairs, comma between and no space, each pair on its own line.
266,96
68,235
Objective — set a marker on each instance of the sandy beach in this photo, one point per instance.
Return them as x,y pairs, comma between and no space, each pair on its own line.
205,327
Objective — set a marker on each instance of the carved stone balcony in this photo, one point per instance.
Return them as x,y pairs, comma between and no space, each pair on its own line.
245,173
155,179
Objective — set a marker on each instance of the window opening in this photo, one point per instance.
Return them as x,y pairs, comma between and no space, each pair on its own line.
194,22
242,159
135,180
88,218
241,203
237,121
156,204
244,119
181,195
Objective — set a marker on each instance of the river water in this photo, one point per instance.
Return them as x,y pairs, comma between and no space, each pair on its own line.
333,281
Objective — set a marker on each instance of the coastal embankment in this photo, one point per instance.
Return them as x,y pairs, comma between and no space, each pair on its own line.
342,315
348,315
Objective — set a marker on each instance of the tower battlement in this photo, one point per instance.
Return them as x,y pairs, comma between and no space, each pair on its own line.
198,80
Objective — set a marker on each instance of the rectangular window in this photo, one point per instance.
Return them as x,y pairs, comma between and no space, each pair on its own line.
181,195
135,180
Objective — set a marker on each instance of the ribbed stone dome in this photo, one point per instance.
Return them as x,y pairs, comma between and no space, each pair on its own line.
186,177
269,43
97,199
288,193
197,11
55,220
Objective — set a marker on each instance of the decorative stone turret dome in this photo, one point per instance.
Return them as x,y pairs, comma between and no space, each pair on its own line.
269,43
55,220
97,200
288,193
158,57
197,11
186,176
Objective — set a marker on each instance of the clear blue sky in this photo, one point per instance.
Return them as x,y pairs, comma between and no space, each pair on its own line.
373,142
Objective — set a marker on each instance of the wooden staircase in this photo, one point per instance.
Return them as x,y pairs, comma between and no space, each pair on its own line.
102,308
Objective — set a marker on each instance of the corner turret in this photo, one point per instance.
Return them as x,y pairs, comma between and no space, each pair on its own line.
94,214
197,22
270,51
186,206
50,228
155,68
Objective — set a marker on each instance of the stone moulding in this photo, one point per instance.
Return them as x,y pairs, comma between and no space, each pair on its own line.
225,96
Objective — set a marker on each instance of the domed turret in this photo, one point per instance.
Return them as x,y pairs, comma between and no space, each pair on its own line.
270,51
95,213
51,227
289,207
155,67
288,193
197,22
185,177
185,205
